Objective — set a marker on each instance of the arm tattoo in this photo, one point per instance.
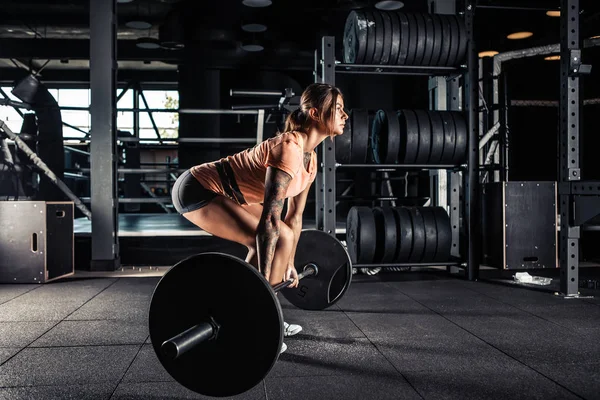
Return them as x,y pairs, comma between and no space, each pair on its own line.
267,234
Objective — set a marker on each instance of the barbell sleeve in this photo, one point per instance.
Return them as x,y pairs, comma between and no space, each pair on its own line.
185,341
309,269
188,339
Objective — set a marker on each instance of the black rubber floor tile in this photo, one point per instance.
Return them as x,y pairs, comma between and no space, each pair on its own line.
325,324
455,353
519,382
79,392
67,365
531,339
76,290
108,308
36,311
405,325
318,356
8,352
21,334
94,333
147,368
173,390
9,292
377,298
582,379
347,386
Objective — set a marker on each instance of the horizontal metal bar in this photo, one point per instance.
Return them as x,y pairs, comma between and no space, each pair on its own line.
411,73
397,166
416,264
153,110
136,200
184,140
255,93
410,68
255,107
547,103
74,150
135,170
75,176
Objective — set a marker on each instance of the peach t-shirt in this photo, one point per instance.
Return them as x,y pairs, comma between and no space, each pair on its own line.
241,177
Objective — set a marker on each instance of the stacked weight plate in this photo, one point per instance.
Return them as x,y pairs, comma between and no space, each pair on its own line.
396,38
419,137
398,235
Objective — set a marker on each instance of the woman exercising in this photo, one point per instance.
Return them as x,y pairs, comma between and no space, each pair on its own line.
241,197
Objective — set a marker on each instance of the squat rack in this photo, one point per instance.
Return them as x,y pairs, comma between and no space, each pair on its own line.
445,94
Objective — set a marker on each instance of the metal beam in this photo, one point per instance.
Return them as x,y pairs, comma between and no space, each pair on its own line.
103,149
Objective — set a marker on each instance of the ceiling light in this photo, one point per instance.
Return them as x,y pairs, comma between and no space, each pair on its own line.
147,43
389,5
520,35
254,28
553,13
257,3
595,37
552,58
489,53
252,47
138,25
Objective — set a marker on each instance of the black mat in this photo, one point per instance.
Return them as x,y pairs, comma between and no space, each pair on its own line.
393,336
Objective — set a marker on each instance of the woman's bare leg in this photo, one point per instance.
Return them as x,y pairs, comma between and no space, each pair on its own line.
228,220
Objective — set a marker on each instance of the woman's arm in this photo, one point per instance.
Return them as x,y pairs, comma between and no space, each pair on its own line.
293,218
267,234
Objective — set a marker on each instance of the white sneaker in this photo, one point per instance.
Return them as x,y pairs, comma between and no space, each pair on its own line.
283,348
290,329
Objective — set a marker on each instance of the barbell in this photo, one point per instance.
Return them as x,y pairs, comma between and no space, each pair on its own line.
215,323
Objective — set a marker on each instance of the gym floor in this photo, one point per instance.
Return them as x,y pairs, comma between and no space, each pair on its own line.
416,335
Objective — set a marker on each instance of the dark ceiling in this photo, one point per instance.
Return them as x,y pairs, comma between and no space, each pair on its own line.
55,33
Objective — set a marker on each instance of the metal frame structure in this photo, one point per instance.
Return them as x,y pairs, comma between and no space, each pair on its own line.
446,94
578,201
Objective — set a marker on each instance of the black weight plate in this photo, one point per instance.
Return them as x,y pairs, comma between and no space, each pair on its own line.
418,243
446,39
403,136
355,38
405,46
395,39
444,234
404,235
460,152
463,41
379,234
385,137
437,40
379,37
360,136
387,37
360,235
371,37
455,41
411,132
190,293
430,234
449,138
437,137
379,136
412,43
386,234
429,39
334,271
424,137
393,137
421,38
343,143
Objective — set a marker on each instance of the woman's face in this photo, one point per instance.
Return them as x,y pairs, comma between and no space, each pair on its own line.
340,117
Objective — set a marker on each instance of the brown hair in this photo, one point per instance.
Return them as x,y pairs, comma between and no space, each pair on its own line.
321,96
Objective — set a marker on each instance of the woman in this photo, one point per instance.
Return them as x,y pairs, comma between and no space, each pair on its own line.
241,197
